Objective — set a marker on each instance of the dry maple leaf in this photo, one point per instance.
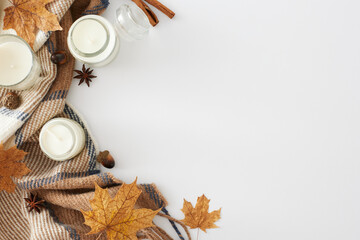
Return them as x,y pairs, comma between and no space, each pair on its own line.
117,216
11,167
199,217
27,16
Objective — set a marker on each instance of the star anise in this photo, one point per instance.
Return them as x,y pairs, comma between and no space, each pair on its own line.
85,75
34,203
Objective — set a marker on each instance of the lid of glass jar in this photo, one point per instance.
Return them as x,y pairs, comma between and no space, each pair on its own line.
131,22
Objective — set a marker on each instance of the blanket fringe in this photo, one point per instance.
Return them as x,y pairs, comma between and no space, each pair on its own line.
157,233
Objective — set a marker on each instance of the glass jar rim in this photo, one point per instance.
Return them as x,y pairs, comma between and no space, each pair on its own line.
32,55
102,49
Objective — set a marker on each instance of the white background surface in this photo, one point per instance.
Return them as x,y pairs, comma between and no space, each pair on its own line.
254,103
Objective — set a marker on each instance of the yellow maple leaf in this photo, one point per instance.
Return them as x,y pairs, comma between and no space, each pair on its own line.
11,167
117,216
27,16
199,217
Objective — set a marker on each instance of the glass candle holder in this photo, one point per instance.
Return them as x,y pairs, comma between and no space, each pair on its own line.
19,67
131,22
62,139
95,41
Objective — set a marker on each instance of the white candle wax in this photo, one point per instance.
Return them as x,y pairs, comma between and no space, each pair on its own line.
89,36
16,61
59,139
62,139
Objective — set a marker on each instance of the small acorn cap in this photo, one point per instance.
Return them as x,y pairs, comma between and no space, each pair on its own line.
106,159
11,100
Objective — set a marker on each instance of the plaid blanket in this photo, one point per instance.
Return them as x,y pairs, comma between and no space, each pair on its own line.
66,186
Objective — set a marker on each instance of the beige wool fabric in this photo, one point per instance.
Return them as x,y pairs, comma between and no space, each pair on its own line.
66,186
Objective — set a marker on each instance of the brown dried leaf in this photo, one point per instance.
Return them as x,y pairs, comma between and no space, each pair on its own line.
11,167
26,17
117,216
199,217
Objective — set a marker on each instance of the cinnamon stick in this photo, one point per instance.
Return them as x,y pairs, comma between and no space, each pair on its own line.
150,14
161,7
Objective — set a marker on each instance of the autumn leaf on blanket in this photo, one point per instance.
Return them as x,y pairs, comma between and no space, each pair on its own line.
117,216
28,16
10,166
199,217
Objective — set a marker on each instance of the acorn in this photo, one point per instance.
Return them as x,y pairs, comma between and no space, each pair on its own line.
59,57
11,100
106,159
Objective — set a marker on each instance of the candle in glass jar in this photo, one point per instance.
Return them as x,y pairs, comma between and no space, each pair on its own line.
18,65
93,40
62,139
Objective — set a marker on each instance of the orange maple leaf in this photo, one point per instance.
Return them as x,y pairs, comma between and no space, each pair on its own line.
117,216
28,16
11,167
199,217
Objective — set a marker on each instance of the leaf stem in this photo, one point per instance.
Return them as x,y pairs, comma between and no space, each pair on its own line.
198,234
